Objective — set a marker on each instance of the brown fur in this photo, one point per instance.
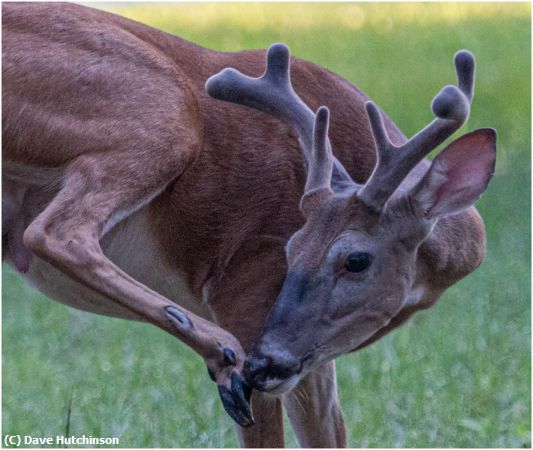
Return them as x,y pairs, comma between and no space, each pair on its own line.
119,109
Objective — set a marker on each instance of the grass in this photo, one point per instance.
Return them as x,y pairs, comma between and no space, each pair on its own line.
455,376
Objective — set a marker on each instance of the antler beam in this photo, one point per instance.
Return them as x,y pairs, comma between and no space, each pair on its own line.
273,94
452,108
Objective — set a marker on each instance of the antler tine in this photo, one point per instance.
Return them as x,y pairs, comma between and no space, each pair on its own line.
451,107
273,94
321,162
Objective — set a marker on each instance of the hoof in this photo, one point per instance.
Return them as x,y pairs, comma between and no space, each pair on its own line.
236,401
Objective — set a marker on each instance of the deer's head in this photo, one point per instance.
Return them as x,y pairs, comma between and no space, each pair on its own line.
351,267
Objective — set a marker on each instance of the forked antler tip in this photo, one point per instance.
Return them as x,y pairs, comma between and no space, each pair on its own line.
217,85
465,59
321,126
465,66
378,128
454,102
278,60
321,162
372,111
278,50
322,115
212,85
451,103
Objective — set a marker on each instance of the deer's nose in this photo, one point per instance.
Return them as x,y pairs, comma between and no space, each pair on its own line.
265,372
256,370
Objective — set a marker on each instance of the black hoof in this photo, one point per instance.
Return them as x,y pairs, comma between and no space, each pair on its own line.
211,374
236,401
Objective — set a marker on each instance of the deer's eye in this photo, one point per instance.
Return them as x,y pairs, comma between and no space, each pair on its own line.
357,262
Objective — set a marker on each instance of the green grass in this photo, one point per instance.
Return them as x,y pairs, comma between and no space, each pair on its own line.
457,375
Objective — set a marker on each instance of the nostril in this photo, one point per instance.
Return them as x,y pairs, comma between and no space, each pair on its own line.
260,369
256,369
284,368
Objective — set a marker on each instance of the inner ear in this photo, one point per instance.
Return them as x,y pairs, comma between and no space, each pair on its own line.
458,175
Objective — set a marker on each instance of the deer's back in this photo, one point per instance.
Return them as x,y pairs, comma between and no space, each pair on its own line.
85,80
77,80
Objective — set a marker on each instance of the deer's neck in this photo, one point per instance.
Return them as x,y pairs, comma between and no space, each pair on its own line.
455,248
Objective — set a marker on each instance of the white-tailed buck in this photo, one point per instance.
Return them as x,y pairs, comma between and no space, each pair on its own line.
128,190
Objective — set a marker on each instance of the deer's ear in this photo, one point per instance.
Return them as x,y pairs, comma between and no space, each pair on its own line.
458,175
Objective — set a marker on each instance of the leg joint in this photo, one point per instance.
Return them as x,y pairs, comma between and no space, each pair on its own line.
73,248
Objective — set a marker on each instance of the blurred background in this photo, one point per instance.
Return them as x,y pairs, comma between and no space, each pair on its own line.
457,375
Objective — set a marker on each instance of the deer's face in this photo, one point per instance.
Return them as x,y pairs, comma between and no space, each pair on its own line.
350,271
352,265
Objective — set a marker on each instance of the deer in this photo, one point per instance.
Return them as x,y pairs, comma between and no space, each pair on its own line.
272,219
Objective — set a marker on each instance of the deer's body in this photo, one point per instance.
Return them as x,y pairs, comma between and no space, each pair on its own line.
221,193
108,134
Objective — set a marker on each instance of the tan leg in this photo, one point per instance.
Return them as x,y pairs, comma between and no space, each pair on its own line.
314,410
267,432
67,233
